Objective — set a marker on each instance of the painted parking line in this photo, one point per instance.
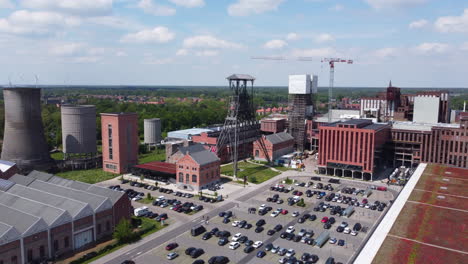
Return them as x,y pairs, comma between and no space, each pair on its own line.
445,194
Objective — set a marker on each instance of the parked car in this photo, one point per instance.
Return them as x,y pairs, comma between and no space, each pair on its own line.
171,246
234,245
172,255
261,254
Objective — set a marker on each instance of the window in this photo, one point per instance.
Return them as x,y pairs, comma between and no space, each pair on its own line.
108,227
14,260
194,178
181,177
187,178
56,245
41,251
30,255
99,229
109,132
66,242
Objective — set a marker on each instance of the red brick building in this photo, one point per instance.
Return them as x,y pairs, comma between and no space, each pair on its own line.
7,169
276,145
44,216
352,148
119,141
197,169
273,125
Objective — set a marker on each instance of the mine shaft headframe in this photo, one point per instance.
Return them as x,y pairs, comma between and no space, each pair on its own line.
237,81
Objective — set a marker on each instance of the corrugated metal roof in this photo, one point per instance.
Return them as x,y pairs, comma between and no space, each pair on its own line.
97,202
40,175
25,223
279,137
192,148
22,180
53,216
204,157
8,233
5,185
77,209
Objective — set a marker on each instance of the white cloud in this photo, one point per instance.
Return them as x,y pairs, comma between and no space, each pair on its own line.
453,23
182,52
275,44
155,35
6,4
207,53
67,49
208,41
292,36
386,53
337,7
155,9
189,3
464,46
382,4
37,23
249,7
121,54
418,24
75,7
432,47
324,38
157,61
319,52
86,59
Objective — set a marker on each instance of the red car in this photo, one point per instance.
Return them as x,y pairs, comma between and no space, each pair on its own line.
364,201
284,212
324,219
299,193
171,246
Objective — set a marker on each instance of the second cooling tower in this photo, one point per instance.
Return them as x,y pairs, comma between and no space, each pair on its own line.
152,130
79,129
24,142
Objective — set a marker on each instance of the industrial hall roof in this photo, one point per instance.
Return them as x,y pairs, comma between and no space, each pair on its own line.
203,157
192,148
28,204
279,137
158,166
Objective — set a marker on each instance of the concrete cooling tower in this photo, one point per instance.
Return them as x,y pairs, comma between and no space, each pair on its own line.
152,131
24,141
79,129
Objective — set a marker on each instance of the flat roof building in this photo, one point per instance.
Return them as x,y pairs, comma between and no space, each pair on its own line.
352,148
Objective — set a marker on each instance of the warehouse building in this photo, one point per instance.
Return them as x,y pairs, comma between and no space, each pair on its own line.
352,148
45,217
276,145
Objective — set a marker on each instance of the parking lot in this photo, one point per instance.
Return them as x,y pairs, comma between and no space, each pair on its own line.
366,217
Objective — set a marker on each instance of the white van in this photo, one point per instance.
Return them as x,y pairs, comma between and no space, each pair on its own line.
141,211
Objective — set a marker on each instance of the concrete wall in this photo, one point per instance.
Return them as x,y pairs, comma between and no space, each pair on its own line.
426,109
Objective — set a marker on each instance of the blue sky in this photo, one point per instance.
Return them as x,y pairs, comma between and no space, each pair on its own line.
415,43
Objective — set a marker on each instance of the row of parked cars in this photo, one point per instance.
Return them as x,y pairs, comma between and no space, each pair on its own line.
194,253
177,205
145,212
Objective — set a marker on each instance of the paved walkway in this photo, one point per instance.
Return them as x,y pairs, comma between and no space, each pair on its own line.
369,251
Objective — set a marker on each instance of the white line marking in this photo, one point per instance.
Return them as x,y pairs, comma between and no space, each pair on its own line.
427,244
458,196
448,208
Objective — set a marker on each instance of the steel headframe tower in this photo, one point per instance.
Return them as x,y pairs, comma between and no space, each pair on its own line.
241,125
331,62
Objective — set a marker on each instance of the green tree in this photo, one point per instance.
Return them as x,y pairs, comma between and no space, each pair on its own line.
148,195
253,179
123,232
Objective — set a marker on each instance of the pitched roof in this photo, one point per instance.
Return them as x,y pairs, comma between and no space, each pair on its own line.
40,175
8,233
279,137
22,180
25,223
77,209
192,148
6,165
204,157
5,184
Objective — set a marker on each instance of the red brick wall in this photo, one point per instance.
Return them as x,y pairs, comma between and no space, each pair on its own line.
103,219
34,243
59,233
83,223
274,151
122,210
7,174
10,250
124,142
352,146
273,125
204,174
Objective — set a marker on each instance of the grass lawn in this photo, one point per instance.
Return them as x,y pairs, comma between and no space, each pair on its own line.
89,176
255,173
155,155
57,155
146,200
